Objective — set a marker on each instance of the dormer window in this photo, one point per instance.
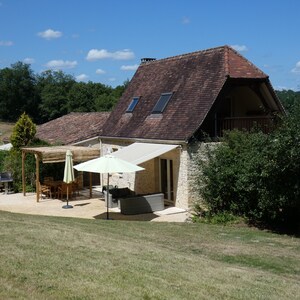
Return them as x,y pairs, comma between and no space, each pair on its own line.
161,103
132,104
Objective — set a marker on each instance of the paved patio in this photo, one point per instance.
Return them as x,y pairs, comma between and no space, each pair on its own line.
82,208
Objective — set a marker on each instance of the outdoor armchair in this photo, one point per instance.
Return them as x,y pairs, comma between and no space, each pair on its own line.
45,191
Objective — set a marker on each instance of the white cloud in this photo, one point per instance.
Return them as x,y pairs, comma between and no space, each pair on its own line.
29,60
100,71
82,77
240,48
95,54
129,68
50,34
112,79
61,64
6,43
297,68
185,20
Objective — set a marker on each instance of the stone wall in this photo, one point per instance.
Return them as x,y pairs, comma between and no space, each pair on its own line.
196,151
182,195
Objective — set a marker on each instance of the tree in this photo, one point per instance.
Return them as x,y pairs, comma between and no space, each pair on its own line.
82,96
288,98
23,132
51,94
104,102
17,92
53,88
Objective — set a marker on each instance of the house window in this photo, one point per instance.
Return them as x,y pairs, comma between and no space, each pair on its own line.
133,104
161,103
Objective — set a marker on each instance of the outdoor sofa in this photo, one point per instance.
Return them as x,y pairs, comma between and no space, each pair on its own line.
131,204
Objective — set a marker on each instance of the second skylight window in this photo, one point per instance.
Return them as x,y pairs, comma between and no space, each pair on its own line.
161,103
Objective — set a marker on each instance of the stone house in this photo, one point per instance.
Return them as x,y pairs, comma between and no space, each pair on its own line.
169,106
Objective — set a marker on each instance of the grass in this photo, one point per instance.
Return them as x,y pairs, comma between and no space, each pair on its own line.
6,129
64,258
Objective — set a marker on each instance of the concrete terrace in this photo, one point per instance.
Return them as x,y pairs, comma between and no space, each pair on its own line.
82,208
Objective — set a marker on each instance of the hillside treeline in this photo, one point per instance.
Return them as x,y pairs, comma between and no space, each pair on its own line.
51,94
288,98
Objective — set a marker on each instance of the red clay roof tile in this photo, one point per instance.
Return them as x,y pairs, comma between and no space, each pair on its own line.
72,128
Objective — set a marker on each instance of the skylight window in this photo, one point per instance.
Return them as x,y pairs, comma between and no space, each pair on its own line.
161,103
133,104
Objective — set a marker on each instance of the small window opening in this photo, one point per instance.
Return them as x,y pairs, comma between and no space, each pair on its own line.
132,104
161,103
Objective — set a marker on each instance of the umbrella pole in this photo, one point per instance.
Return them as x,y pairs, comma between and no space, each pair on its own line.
107,197
67,194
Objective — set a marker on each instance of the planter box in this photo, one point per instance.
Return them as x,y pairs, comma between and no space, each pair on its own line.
141,204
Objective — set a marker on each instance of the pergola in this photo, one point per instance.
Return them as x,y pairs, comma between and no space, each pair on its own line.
55,154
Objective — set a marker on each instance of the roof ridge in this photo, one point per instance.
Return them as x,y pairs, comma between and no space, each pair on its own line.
226,62
185,55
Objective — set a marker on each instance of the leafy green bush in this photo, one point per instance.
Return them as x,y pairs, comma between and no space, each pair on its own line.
13,164
224,218
255,175
3,155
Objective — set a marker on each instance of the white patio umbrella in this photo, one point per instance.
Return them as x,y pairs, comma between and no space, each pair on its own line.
68,175
108,164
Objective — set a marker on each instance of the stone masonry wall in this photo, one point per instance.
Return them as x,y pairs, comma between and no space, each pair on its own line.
196,151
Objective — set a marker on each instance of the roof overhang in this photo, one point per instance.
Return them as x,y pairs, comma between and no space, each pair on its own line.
57,154
138,153
142,140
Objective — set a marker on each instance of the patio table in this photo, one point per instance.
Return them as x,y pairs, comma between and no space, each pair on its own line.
54,185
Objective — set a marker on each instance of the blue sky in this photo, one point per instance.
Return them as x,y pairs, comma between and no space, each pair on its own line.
103,41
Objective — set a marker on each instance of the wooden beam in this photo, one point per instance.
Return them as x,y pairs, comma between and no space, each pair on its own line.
91,185
37,177
23,173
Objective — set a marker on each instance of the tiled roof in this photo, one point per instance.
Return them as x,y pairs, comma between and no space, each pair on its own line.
195,79
72,128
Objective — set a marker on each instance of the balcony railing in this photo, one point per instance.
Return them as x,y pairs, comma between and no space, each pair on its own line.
264,123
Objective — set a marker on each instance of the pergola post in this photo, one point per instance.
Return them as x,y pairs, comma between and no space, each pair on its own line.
23,173
37,177
90,185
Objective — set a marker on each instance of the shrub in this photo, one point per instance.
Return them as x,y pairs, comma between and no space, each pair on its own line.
3,156
224,218
255,175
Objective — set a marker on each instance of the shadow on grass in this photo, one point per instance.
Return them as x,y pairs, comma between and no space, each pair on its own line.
121,217
284,229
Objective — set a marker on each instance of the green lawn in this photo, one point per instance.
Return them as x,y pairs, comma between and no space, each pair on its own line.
64,258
